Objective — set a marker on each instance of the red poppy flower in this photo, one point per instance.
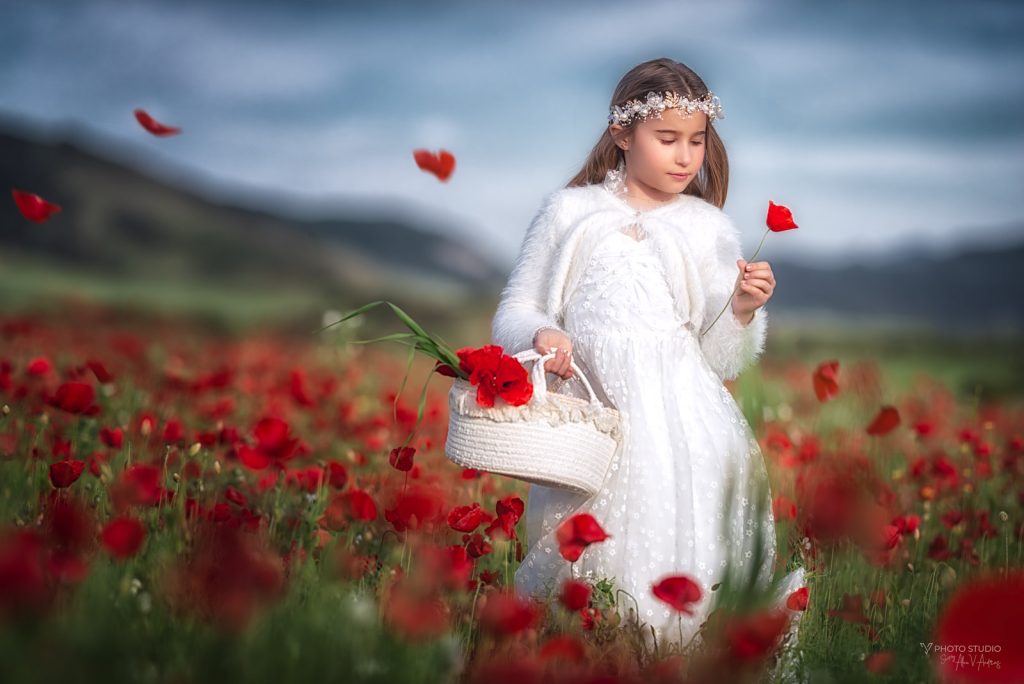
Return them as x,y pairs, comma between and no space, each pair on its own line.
337,476
112,437
510,504
466,518
984,613
33,207
826,385
445,369
401,458
575,594
103,376
563,646
417,507
64,473
76,397
495,374
414,613
513,381
361,505
441,164
783,508
780,218
679,592
576,534
797,600
39,366
153,126
506,614
123,537
752,638
888,418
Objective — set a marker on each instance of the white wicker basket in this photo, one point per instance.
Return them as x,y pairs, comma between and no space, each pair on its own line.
554,440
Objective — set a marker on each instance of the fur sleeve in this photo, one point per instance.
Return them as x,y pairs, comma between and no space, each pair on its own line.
729,347
522,308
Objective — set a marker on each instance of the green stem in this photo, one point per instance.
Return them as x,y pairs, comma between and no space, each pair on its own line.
736,289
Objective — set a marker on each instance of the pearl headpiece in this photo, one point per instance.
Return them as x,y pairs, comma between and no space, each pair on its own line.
656,104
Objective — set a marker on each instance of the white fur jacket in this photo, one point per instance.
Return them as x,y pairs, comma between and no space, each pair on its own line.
696,241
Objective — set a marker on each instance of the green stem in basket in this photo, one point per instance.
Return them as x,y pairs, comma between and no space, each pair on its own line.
434,347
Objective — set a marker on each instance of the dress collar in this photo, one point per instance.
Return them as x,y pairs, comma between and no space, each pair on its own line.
614,187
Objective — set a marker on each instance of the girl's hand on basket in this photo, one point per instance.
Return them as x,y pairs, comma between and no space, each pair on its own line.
549,339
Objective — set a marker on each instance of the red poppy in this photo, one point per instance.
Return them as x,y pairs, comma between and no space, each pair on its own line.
495,374
230,575
984,613
112,437
575,594
153,126
33,207
76,397
797,600
887,419
414,613
417,507
337,476
783,508
477,545
576,534
401,458
679,592
64,473
779,218
826,385
563,646
441,164
361,505
141,484
510,504
103,376
506,614
466,518
752,638
445,369
39,366
123,537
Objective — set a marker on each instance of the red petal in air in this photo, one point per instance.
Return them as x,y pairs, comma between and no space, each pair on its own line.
887,419
441,164
154,126
33,207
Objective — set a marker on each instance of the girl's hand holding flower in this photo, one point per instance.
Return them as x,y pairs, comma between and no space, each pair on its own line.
757,283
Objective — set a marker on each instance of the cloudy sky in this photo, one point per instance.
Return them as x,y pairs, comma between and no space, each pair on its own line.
882,125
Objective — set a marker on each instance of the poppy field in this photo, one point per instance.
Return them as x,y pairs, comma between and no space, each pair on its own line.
180,506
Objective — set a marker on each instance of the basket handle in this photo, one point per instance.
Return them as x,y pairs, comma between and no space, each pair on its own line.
540,386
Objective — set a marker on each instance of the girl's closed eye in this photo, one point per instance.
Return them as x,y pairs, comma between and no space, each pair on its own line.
672,142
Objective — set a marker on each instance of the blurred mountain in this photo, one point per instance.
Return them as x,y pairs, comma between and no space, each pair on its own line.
122,222
976,289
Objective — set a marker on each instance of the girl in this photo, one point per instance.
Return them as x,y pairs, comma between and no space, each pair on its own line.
623,270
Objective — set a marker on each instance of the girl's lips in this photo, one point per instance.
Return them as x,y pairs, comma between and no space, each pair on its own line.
680,176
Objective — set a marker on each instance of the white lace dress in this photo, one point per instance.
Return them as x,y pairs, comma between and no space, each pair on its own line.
662,499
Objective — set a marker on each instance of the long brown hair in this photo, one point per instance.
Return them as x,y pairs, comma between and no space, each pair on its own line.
712,181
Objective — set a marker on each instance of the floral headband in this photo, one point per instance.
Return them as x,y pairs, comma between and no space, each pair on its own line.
656,104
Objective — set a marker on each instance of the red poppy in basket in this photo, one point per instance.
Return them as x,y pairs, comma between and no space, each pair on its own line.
495,373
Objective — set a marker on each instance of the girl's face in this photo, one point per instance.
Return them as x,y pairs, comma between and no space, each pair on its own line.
659,149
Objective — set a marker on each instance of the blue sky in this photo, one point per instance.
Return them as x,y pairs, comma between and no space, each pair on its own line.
882,125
